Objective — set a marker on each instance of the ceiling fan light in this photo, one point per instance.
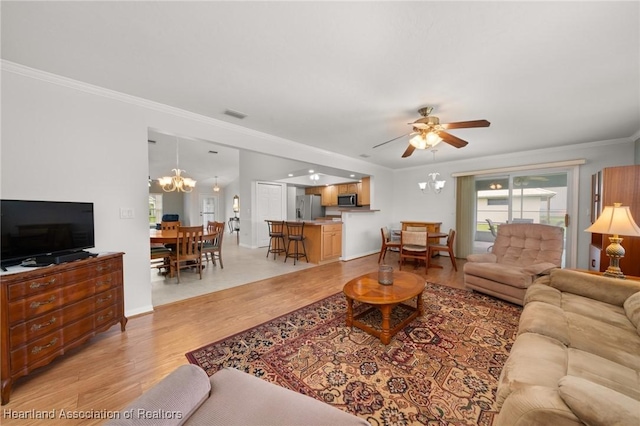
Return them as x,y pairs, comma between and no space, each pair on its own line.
433,139
419,141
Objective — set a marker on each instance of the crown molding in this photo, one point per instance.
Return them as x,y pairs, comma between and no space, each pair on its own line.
48,77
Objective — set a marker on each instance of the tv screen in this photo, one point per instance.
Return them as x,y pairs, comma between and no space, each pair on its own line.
38,228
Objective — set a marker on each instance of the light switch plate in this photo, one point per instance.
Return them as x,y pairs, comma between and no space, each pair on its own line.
126,213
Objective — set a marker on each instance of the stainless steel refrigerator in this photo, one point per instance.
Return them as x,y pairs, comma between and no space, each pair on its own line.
309,207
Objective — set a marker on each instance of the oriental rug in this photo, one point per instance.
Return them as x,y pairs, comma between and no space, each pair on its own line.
441,369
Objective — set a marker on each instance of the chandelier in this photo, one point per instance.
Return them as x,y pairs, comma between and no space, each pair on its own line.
216,188
433,184
314,177
177,182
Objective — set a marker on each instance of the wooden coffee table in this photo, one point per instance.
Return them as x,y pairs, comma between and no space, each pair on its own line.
366,289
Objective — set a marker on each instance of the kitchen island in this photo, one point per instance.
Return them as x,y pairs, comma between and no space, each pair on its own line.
323,240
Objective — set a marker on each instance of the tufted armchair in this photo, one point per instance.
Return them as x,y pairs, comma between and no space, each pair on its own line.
520,254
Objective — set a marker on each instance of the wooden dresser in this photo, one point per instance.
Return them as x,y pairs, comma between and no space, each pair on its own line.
47,311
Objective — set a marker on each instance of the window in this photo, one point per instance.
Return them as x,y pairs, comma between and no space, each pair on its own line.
155,209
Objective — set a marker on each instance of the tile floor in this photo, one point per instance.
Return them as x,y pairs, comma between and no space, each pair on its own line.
241,266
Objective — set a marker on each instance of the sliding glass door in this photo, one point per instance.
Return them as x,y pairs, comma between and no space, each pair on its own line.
526,197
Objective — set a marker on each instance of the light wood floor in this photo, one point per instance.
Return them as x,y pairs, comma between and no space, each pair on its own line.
114,368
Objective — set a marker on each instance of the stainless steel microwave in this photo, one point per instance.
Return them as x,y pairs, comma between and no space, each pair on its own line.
347,200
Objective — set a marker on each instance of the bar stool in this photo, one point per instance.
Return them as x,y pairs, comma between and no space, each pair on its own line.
276,237
295,235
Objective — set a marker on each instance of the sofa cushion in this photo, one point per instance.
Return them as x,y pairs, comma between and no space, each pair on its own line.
596,287
596,309
521,244
543,293
605,340
544,319
604,372
632,310
597,405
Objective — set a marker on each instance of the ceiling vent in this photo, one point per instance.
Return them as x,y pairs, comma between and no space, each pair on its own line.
235,114
213,152
150,141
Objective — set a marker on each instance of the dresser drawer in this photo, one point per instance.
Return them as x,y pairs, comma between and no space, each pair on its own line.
49,301
105,299
29,330
106,282
107,315
50,344
34,286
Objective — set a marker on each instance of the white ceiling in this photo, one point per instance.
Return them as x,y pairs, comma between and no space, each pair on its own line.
345,76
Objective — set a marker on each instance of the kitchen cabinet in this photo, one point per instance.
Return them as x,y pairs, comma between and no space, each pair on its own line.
329,196
364,192
323,241
347,188
615,185
313,190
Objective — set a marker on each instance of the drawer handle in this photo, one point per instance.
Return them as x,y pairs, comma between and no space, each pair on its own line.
36,327
42,284
103,282
37,349
104,299
35,305
102,317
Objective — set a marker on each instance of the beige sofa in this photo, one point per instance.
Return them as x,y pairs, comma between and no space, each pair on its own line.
520,254
576,359
229,397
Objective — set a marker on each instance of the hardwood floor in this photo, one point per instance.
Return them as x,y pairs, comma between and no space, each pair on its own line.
114,368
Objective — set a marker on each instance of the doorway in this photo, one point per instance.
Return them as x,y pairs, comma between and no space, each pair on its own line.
208,208
270,205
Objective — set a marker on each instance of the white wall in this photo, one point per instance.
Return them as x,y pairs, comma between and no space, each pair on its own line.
65,140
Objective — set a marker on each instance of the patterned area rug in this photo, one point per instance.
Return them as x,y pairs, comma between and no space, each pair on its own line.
442,369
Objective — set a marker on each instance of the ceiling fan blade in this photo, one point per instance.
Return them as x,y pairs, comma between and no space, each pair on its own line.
408,151
466,124
452,140
391,140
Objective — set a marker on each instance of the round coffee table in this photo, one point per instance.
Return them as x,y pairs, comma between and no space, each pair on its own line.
366,289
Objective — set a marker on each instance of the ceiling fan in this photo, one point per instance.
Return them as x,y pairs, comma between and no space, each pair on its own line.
429,132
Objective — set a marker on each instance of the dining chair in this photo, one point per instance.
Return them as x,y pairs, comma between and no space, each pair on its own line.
448,247
213,246
414,245
276,238
387,243
188,250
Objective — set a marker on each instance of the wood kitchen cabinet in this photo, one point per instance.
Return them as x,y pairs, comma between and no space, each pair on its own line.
323,241
48,311
615,185
364,192
329,196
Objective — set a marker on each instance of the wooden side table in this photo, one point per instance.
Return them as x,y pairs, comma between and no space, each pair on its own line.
366,289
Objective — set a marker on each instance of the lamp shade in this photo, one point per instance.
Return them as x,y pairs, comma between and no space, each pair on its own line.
615,220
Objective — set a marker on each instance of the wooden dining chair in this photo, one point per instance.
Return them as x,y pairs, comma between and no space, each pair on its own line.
448,247
414,245
213,246
188,250
387,243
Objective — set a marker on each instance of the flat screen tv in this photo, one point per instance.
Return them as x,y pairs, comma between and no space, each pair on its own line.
41,230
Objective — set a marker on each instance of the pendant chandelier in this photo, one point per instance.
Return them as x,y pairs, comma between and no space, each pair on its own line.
432,184
216,188
177,182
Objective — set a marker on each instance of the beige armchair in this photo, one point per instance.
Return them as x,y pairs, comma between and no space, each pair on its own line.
520,254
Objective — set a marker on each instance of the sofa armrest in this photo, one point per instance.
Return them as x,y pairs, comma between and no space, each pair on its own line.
609,290
543,268
595,404
169,402
536,406
482,257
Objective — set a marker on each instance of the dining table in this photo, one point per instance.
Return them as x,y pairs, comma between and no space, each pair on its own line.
168,236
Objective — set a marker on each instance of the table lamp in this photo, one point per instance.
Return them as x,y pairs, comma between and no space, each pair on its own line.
614,221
